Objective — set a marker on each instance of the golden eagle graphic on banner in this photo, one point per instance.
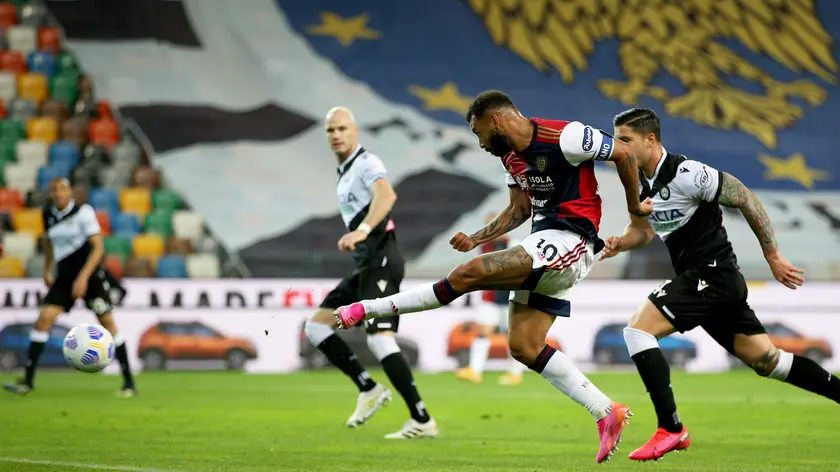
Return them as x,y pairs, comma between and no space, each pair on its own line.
680,37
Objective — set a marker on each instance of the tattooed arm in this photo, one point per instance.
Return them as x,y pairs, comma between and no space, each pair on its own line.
517,212
736,195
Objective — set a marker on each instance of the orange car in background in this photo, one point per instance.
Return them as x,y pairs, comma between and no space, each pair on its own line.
176,340
463,334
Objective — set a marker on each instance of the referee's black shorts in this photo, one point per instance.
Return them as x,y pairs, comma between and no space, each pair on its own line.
374,282
713,298
97,298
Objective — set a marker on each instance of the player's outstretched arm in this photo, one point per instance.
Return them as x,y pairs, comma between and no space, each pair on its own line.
628,173
735,194
517,212
636,234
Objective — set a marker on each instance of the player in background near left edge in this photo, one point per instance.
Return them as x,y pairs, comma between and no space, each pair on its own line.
551,177
365,201
493,314
73,241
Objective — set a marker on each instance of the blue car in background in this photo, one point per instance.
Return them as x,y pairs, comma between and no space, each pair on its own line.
609,347
14,345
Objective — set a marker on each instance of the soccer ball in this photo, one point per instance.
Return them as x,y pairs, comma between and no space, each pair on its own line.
89,348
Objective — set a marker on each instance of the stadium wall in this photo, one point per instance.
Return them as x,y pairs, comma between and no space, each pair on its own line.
221,324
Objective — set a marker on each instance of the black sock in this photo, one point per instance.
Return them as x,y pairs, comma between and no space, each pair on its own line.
398,371
122,357
35,350
808,375
341,356
656,375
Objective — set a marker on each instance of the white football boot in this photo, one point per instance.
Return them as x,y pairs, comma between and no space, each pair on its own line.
413,429
367,404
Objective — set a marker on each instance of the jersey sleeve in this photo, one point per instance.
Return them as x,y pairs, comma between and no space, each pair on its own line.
372,169
581,143
509,180
87,217
698,180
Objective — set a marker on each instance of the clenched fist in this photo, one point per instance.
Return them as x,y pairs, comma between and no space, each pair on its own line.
462,242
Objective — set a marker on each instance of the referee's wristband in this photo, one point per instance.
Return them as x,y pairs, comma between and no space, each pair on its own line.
364,227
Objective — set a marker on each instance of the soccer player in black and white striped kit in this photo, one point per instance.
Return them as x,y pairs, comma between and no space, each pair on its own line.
365,201
73,242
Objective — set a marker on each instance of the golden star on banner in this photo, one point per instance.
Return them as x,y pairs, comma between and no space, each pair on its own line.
345,30
447,97
792,168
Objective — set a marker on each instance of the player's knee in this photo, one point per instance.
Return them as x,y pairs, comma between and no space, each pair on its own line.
524,350
382,345
465,277
47,317
639,341
775,363
316,332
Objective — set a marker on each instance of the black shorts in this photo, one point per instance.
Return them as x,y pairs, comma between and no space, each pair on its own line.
97,298
372,283
713,298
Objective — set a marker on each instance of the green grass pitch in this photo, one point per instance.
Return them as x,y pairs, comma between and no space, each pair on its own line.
218,421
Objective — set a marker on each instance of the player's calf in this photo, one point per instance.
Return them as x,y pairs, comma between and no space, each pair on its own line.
38,340
384,346
128,388
320,333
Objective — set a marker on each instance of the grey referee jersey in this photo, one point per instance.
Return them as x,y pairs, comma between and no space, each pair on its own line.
356,176
68,230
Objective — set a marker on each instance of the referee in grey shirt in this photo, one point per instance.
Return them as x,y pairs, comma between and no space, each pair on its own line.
73,242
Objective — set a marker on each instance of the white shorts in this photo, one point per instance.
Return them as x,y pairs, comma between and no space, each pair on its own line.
493,314
561,259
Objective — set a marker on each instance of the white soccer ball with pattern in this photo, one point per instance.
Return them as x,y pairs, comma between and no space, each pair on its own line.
89,348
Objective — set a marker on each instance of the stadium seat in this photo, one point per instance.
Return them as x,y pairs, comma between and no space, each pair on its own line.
115,177
67,63
139,268
32,86
20,245
65,88
181,246
96,155
188,224
63,152
171,267
203,266
34,267
104,132
145,176
75,131
104,219
167,200
12,61
126,224
49,172
20,176
3,112
114,264
49,39
32,13
148,246
22,109
11,268
103,110
8,15
42,129
135,200
31,152
22,38
11,127
37,197
10,200
84,175
29,220
54,109
104,199
159,222
118,245
126,152
42,62
8,85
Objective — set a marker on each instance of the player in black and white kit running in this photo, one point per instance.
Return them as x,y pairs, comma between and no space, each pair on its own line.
365,198
74,242
709,290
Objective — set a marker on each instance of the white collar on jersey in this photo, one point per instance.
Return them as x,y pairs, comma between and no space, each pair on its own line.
349,158
65,211
658,166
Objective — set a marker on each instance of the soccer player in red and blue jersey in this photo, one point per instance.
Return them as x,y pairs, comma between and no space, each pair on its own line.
551,176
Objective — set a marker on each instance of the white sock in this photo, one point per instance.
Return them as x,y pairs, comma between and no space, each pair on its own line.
479,351
560,372
419,298
515,367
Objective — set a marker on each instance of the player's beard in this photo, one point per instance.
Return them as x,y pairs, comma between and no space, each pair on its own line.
499,145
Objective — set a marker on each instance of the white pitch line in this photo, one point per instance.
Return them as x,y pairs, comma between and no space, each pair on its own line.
83,465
